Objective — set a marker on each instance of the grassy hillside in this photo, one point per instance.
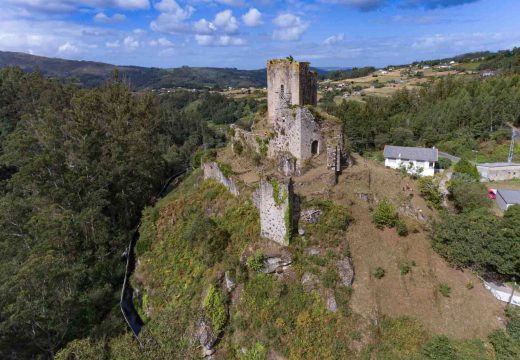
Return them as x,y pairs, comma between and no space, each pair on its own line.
199,232
90,74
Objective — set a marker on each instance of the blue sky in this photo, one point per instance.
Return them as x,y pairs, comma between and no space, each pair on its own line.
245,33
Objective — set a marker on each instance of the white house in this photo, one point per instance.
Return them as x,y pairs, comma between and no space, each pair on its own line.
416,160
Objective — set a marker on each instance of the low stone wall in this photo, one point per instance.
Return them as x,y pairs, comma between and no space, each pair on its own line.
275,209
212,171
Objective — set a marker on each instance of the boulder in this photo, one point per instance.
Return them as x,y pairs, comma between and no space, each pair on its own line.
310,216
301,232
206,335
313,251
309,281
230,281
277,264
345,271
331,301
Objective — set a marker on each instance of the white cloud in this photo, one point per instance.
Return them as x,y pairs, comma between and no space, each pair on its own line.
104,18
113,44
172,18
334,39
252,18
68,49
290,27
226,22
204,27
130,43
161,42
222,40
167,6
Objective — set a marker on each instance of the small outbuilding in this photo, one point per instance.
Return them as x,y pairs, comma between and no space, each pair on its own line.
506,198
415,160
500,171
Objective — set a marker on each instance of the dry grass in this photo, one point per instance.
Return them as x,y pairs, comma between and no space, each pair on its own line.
465,314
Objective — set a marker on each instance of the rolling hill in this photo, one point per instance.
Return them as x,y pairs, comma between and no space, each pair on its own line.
90,73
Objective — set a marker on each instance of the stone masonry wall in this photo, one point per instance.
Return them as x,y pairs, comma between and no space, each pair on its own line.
247,138
275,210
212,171
297,130
299,85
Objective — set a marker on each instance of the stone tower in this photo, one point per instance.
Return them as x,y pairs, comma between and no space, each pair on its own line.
289,83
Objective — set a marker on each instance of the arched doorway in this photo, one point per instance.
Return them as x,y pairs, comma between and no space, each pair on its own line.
314,147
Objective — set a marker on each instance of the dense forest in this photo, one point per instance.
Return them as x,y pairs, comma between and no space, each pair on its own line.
77,168
454,113
348,74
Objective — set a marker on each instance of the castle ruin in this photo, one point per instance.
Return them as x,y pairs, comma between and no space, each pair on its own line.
298,131
294,132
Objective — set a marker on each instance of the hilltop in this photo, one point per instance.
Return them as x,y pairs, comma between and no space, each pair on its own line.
91,74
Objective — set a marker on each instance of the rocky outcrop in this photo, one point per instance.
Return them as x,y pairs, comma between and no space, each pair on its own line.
212,171
277,264
207,337
230,281
345,271
310,216
309,282
330,301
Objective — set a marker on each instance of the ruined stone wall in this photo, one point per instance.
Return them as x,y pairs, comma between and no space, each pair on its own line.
333,132
212,171
297,130
299,85
247,138
308,85
275,209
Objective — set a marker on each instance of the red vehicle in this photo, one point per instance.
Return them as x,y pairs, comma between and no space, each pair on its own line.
492,193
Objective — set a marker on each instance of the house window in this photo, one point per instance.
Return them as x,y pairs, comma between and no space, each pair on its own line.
432,164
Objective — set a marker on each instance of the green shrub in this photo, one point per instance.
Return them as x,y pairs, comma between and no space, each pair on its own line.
405,268
379,273
430,192
445,290
256,262
215,309
257,352
279,195
225,168
465,167
469,196
439,348
330,278
444,163
506,348
384,214
400,226
513,322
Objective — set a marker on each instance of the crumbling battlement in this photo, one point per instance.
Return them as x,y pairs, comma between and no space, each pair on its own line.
274,200
212,171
